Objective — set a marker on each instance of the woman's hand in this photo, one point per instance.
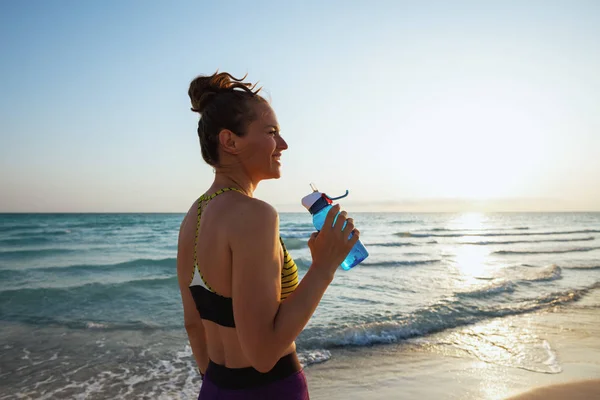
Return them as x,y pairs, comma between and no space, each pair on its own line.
331,245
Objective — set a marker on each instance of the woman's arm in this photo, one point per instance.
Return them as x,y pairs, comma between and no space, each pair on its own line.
267,327
191,316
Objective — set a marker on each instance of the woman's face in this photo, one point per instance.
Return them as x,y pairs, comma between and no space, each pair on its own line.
261,147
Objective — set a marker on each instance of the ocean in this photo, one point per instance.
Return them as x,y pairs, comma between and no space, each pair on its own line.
90,307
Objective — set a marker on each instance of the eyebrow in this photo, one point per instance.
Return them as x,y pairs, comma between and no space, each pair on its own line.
273,126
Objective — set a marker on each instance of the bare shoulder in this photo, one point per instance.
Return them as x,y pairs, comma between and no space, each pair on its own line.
188,224
254,208
252,215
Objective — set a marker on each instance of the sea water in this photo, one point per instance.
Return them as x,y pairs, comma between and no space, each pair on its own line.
90,306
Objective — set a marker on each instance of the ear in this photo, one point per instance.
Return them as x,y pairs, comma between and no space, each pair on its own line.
229,141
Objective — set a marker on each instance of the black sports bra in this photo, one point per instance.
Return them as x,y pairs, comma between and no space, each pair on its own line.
219,309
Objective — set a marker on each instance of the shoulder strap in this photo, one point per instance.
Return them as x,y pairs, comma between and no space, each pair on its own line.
206,198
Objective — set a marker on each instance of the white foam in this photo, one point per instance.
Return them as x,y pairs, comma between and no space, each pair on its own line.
552,360
95,325
48,380
549,273
494,288
493,343
77,369
177,378
310,357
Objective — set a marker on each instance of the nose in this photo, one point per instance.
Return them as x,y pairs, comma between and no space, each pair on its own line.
282,144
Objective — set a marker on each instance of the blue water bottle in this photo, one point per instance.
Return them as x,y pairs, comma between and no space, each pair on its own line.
319,204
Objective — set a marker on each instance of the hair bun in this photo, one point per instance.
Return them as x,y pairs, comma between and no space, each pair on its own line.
203,89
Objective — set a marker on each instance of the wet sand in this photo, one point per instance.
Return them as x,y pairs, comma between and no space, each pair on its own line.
565,362
582,390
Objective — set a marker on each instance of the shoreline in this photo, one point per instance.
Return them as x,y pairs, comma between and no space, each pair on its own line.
576,390
432,368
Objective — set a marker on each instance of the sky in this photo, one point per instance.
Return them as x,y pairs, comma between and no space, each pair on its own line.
411,106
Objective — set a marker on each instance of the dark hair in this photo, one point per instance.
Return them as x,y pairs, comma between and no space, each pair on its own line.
223,102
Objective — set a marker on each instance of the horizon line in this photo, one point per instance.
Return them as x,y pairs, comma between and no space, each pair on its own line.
302,212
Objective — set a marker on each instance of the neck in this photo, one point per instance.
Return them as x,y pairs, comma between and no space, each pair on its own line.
236,180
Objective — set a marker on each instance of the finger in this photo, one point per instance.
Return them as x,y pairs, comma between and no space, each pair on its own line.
354,238
311,240
339,222
330,216
349,227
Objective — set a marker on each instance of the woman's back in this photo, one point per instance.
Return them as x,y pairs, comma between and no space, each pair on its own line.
213,258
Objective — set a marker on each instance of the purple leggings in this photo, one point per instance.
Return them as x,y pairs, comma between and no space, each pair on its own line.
291,388
285,380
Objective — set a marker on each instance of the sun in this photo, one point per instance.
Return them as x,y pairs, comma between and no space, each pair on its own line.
468,221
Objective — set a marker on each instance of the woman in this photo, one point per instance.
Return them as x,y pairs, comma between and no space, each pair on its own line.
243,304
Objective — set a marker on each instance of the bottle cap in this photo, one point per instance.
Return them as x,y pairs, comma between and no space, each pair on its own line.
309,200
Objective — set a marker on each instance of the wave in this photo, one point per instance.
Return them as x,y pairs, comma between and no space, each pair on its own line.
391,244
550,273
296,234
521,228
146,374
99,325
447,314
316,356
39,233
399,263
489,290
116,223
302,263
292,243
164,264
582,239
38,306
562,251
295,225
10,241
584,267
103,289
14,227
153,298
416,234
21,253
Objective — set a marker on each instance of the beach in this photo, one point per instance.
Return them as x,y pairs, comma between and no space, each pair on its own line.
448,305
433,368
578,390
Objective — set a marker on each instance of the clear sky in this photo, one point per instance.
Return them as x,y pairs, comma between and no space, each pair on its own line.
412,106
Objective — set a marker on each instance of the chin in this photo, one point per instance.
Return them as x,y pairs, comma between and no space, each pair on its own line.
271,175
276,175
274,172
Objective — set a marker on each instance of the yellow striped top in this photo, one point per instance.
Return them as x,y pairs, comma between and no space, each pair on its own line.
289,271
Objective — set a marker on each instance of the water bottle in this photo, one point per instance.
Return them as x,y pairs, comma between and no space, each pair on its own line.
319,204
